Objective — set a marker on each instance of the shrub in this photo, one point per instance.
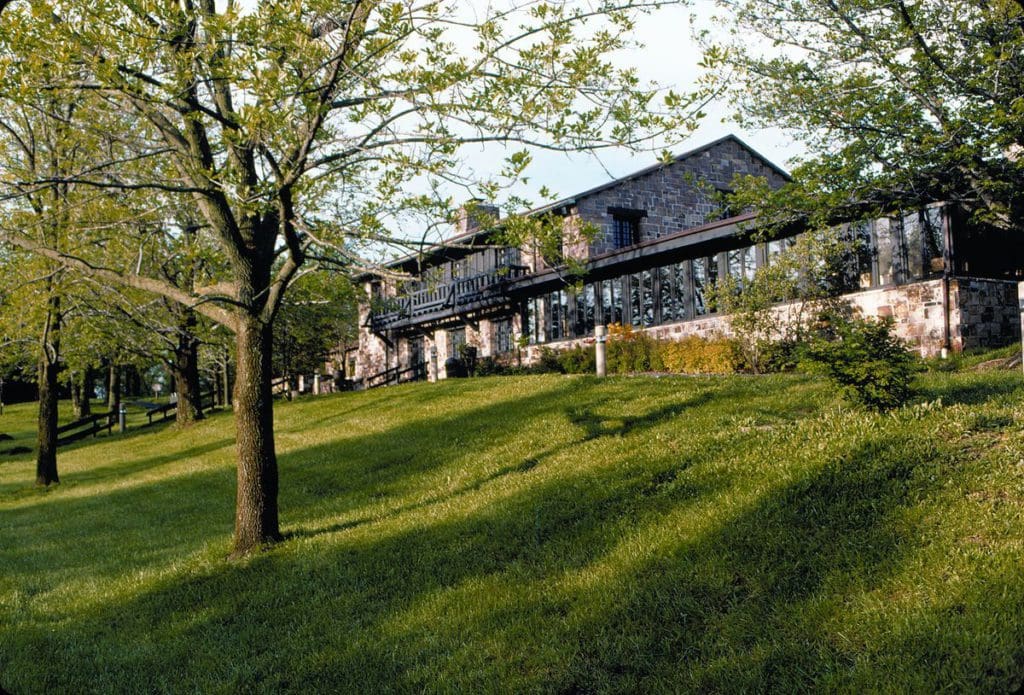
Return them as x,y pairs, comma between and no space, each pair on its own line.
578,360
632,351
490,366
781,356
548,362
694,355
864,358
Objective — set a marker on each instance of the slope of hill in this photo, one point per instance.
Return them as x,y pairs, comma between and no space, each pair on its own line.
537,534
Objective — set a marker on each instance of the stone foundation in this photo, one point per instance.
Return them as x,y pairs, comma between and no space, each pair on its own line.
986,313
982,314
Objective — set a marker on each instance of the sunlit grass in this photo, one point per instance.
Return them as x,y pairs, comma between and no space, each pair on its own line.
551,534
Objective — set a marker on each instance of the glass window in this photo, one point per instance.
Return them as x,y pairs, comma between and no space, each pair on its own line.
886,250
742,264
861,273
508,255
554,325
934,240
588,309
635,299
611,300
667,298
625,231
913,246
456,339
532,321
648,298
705,277
503,336
682,290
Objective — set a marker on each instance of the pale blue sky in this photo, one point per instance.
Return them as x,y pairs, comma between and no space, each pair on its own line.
669,58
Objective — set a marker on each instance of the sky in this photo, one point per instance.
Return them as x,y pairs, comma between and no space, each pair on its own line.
670,58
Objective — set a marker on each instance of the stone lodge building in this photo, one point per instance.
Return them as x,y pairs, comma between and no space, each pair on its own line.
946,284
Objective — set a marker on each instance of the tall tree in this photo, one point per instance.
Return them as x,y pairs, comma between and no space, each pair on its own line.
39,142
897,102
295,127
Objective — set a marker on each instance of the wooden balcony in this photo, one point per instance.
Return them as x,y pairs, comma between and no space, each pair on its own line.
462,296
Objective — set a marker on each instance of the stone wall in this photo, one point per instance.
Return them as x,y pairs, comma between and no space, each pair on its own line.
986,313
917,310
671,195
983,313
372,350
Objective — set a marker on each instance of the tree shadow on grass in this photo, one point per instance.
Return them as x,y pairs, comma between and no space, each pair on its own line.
984,388
489,425
526,593
222,627
594,579
123,469
595,426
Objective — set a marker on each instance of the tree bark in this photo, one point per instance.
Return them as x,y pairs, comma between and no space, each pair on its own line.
186,377
256,516
46,442
86,394
46,436
76,396
114,388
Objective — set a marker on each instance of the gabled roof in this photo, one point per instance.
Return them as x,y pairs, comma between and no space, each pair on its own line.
689,154
565,203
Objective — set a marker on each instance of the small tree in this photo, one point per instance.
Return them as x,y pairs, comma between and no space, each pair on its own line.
774,306
864,358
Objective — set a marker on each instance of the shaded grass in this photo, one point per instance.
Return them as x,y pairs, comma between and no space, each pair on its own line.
539,534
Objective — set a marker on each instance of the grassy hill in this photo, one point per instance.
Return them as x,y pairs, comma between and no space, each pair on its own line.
547,534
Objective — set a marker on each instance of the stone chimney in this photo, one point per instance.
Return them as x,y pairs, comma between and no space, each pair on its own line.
475,215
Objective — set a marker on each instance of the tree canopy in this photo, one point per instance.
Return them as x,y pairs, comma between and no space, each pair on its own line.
897,102
298,130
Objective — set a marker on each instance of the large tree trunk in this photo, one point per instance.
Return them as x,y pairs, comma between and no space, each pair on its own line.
81,393
256,519
114,388
75,388
46,442
186,377
46,435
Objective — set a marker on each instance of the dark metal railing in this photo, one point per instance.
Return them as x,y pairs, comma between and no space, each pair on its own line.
207,401
80,429
396,375
463,292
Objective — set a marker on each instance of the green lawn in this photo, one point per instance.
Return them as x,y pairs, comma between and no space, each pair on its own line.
537,534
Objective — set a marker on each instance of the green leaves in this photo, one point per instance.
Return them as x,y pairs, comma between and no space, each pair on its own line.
897,103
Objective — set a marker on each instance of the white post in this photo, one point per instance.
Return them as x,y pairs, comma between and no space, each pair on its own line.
433,364
1020,300
600,336
302,383
316,384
